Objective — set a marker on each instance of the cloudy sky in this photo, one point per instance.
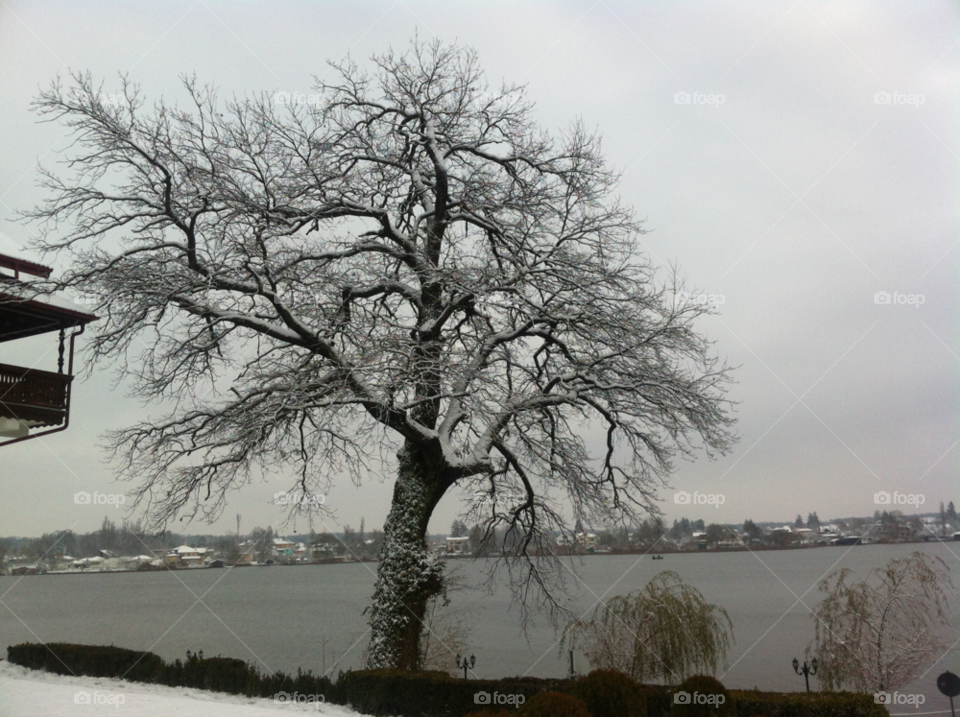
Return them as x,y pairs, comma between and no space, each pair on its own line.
797,160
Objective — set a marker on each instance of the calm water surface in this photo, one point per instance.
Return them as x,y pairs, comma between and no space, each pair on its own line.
287,617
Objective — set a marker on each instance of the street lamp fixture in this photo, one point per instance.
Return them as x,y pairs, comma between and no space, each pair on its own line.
806,670
466,664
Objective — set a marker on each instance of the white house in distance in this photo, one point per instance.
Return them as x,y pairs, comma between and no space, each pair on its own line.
586,541
458,546
95,563
187,555
282,546
806,534
248,552
828,532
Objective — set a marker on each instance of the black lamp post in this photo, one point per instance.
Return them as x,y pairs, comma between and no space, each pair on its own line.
466,664
806,670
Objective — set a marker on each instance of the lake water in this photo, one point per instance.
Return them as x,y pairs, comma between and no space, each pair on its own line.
283,618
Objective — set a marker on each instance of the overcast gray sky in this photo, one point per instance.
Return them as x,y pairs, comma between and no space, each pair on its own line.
793,158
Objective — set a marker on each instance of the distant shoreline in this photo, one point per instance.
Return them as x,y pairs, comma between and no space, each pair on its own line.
585,554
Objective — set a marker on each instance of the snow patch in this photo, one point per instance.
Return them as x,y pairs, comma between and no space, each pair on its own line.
33,693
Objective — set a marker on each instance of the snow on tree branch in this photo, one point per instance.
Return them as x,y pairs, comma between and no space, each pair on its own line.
412,258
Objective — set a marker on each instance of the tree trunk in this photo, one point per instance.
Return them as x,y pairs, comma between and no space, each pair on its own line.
407,574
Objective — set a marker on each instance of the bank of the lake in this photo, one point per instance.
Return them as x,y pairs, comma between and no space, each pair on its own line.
285,618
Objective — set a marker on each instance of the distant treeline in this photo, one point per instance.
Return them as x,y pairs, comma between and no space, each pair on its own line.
130,538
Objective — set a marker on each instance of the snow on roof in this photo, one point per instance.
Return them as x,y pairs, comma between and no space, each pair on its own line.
21,290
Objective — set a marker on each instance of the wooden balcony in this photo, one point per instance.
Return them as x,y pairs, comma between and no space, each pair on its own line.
38,398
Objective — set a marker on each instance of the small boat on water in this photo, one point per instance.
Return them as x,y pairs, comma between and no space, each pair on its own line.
657,557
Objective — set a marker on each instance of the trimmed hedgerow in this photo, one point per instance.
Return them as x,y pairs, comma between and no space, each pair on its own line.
219,674
414,694
411,694
608,693
658,699
553,704
391,692
753,703
93,660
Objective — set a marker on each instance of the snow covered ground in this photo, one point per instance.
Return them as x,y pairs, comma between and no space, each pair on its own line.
30,693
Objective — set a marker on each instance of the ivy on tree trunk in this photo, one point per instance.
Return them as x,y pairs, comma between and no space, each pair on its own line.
408,576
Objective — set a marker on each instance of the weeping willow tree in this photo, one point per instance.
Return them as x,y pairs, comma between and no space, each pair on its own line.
880,633
664,631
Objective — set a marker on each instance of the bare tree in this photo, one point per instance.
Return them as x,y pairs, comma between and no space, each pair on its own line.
665,630
409,262
879,633
261,544
717,532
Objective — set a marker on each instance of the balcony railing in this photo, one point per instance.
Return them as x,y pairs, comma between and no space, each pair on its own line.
36,396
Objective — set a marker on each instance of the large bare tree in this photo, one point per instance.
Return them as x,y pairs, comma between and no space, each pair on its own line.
404,259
